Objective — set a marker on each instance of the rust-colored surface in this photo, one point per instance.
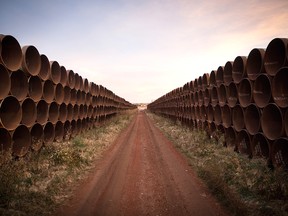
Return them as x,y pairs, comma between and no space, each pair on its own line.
142,174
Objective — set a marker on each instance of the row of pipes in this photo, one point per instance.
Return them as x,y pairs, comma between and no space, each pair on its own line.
42,102
246,100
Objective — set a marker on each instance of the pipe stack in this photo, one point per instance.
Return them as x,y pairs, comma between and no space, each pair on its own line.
246,100
42,102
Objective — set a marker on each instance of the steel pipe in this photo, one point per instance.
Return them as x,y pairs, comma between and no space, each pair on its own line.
232,95
279,152
217,115
243,142
227,73
77,81
230,136
5,140
212,80
67,95
262,90
48,91
10,113
73,96
42,112
59,93
207,97
222,95
219,76
31,61
226,116
35,88
255,63
10,52
37,136
70,79
252,117
29,112
21,141
280,87
67,130
49,133
63,77
63,112
55,72
239,69
245,95
76,112
276,55
5,82
70,112
205,81
45,68
210,113
53,112
19,85
272,122
214,96
74,130
85,85
59,131
238,118
260,146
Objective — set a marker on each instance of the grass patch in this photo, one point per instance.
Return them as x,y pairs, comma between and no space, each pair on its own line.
41,181
244,186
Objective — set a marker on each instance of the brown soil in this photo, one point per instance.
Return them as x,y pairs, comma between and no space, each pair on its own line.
142,174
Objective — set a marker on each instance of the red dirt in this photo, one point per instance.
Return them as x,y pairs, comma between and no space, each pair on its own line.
142,174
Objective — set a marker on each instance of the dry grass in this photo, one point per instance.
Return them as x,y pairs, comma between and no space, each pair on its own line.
245,186
41,181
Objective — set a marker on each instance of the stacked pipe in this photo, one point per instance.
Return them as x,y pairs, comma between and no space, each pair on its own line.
42,102
246,99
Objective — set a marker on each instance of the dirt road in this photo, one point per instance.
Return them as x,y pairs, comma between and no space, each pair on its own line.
142,174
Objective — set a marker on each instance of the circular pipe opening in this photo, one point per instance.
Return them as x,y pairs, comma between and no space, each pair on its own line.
243,142
55,72
81,111
35,88
48,91
70,112
29,112
222,96
31,62
19,85
238,118
49,133
210,113
262,90
275,55
59,93
219,76
280,87
86,85
11,53
77,81
5,140
59,131
226,116
200,97
232,94
63,79
73,96
67,95
280,153
70,78
207,97
212,78
195,86
239,69
227,73
272,122
10,113
203,113
5,82
255,63
53,112
67,130
81,84
76,112
21,141
79,126
74,130
217,115
37,137
260,146
63,112
245,95
42,112
205,81
230,137
214,96
45,67
252,119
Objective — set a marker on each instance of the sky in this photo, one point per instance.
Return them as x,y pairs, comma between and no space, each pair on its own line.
143,49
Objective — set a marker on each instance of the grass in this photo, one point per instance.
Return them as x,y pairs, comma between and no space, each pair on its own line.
244,186
41,181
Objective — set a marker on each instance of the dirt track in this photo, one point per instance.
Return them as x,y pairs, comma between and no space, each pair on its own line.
142,174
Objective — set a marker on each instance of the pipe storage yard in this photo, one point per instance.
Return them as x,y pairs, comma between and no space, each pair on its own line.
246,100
42,102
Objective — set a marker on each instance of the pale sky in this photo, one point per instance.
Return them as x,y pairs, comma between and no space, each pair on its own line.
142,49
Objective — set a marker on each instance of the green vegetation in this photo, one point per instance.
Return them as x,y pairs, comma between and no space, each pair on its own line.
245,186
41,181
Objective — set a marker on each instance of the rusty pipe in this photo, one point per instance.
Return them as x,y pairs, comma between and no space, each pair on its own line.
210,113
245,95
272,122
76,112
59,93
5,82
230,136
260,146
67,95
255,63
217,115
243,143
212,79
21,141
5,140
226,116
37,136
49,133
59,131
262,90
35,89
219,76
31,61
252,117
227,73
10,113
232,95
63,112
10,52
279,152
55,72
67,130
276,55
70,79
48,91
42,112
74,130
207,97
280,88
19,85
45,67
239,69
53,112
214,96
222,95
73,96
70,112
63,76
29,112
238,118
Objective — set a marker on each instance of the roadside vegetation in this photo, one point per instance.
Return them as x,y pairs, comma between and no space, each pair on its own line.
244,186
39,182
